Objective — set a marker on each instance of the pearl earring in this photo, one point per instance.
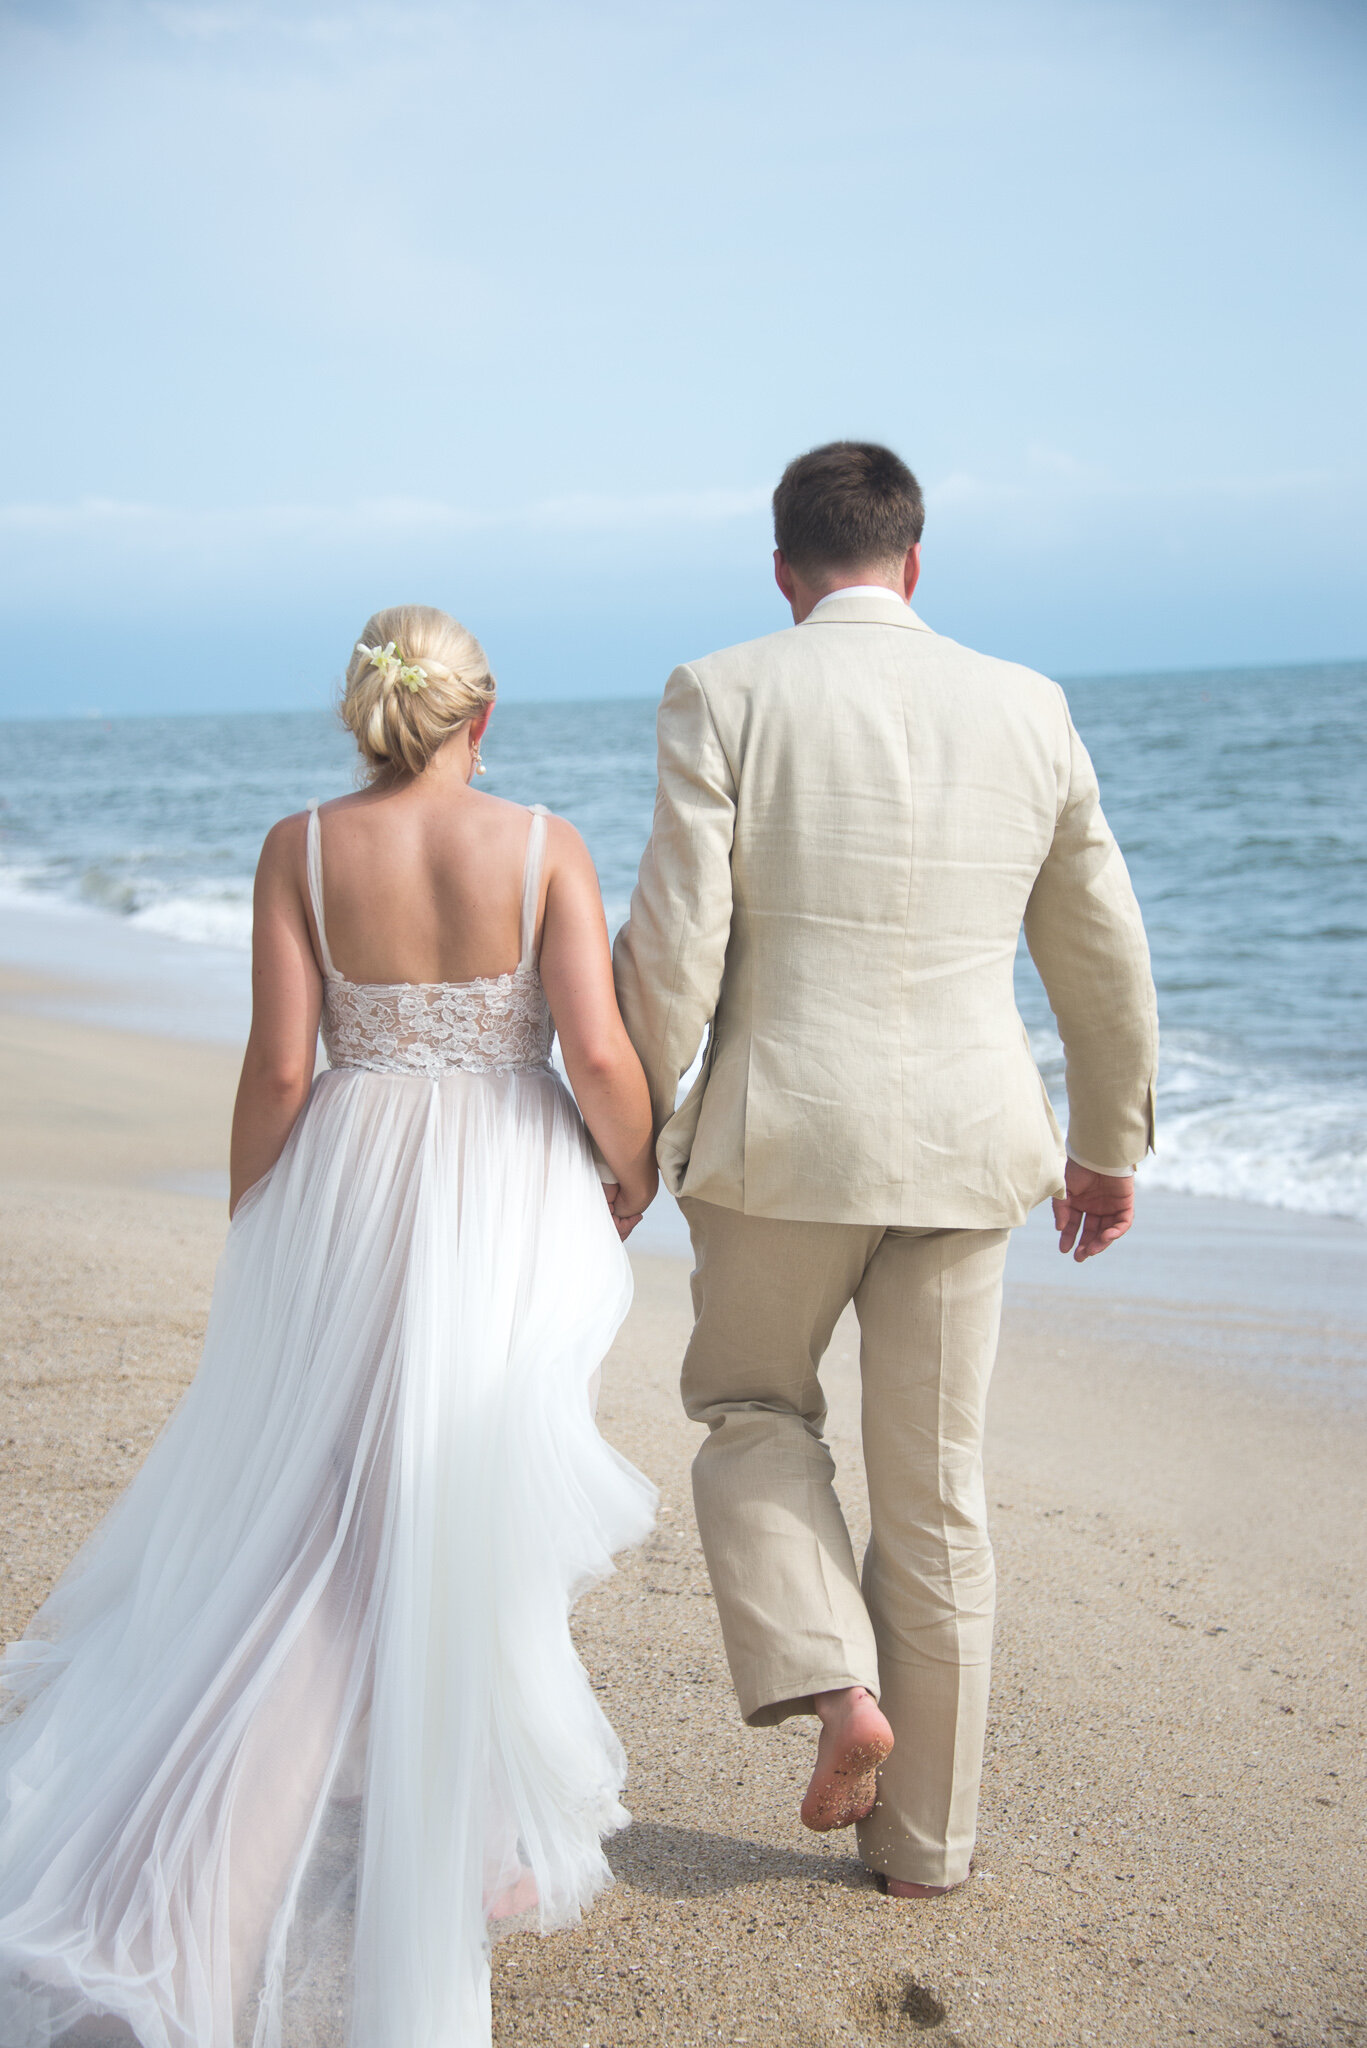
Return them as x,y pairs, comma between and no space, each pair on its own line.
476,762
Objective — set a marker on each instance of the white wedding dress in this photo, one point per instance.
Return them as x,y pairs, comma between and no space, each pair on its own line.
303,1720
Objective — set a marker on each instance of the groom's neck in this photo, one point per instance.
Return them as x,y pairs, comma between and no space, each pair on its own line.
805,588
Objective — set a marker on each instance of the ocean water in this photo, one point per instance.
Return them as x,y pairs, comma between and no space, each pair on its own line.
1237,797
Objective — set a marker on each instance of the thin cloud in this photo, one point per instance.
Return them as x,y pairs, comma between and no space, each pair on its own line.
1062,480
583,511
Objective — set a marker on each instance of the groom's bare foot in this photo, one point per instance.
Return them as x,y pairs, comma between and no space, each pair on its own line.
855,1739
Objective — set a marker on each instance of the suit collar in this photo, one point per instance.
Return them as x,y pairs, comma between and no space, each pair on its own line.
864,611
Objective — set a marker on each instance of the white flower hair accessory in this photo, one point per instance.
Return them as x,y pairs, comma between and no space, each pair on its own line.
392,666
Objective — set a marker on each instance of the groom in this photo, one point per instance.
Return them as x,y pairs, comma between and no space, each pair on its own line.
855,816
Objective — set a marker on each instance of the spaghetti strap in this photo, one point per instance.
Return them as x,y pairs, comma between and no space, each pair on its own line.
315,871
531,882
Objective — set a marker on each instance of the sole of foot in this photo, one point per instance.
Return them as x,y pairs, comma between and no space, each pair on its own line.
844,1785
520,1897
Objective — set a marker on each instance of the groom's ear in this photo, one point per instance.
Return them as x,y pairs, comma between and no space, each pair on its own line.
783,576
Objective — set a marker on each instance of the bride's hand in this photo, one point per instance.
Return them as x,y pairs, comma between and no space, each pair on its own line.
625,1222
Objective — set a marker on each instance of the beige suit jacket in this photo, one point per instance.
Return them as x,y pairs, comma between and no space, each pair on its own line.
854,818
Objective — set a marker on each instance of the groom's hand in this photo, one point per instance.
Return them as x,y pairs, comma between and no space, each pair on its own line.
1099,1205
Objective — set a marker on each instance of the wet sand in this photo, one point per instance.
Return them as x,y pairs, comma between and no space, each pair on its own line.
1172,1833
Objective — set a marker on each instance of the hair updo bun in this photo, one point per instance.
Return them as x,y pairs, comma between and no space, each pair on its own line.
398,724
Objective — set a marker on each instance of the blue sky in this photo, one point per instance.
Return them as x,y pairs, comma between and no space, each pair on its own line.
519,308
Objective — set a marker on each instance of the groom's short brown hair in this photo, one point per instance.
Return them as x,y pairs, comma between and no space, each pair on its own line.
847,503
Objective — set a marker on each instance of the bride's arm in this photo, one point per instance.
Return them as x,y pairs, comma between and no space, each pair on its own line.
604,1072
287,999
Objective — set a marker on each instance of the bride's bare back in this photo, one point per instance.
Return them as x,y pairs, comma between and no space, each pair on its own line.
423,882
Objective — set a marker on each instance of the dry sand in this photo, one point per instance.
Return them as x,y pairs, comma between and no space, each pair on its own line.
1172,1833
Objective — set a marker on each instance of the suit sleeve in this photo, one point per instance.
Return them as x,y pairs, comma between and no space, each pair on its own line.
669,955
1086,936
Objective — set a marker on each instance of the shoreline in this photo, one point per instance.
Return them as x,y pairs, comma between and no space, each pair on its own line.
129,974
1278,1291
71,962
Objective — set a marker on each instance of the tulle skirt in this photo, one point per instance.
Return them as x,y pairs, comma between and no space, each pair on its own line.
303,1721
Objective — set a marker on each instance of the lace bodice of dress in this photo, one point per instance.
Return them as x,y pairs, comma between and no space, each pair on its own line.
430,1027
492,1025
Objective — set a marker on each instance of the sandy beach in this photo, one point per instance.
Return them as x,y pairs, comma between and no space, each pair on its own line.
1172,1830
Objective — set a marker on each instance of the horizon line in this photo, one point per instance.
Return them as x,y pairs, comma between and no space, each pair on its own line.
1209,671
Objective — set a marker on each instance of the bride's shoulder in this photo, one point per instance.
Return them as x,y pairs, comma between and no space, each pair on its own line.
516,818
284,847
561,836
291,832
564,849
567,857
285,831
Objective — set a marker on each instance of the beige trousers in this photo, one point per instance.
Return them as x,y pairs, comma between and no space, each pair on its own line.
796,1621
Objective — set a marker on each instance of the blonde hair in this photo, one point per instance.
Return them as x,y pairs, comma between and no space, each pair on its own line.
400,727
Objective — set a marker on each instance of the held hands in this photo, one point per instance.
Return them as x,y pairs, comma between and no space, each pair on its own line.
1099,1205
627,1208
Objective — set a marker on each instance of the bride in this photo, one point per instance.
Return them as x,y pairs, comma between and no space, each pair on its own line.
303,1720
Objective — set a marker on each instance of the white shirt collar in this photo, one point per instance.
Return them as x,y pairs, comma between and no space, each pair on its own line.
862,590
